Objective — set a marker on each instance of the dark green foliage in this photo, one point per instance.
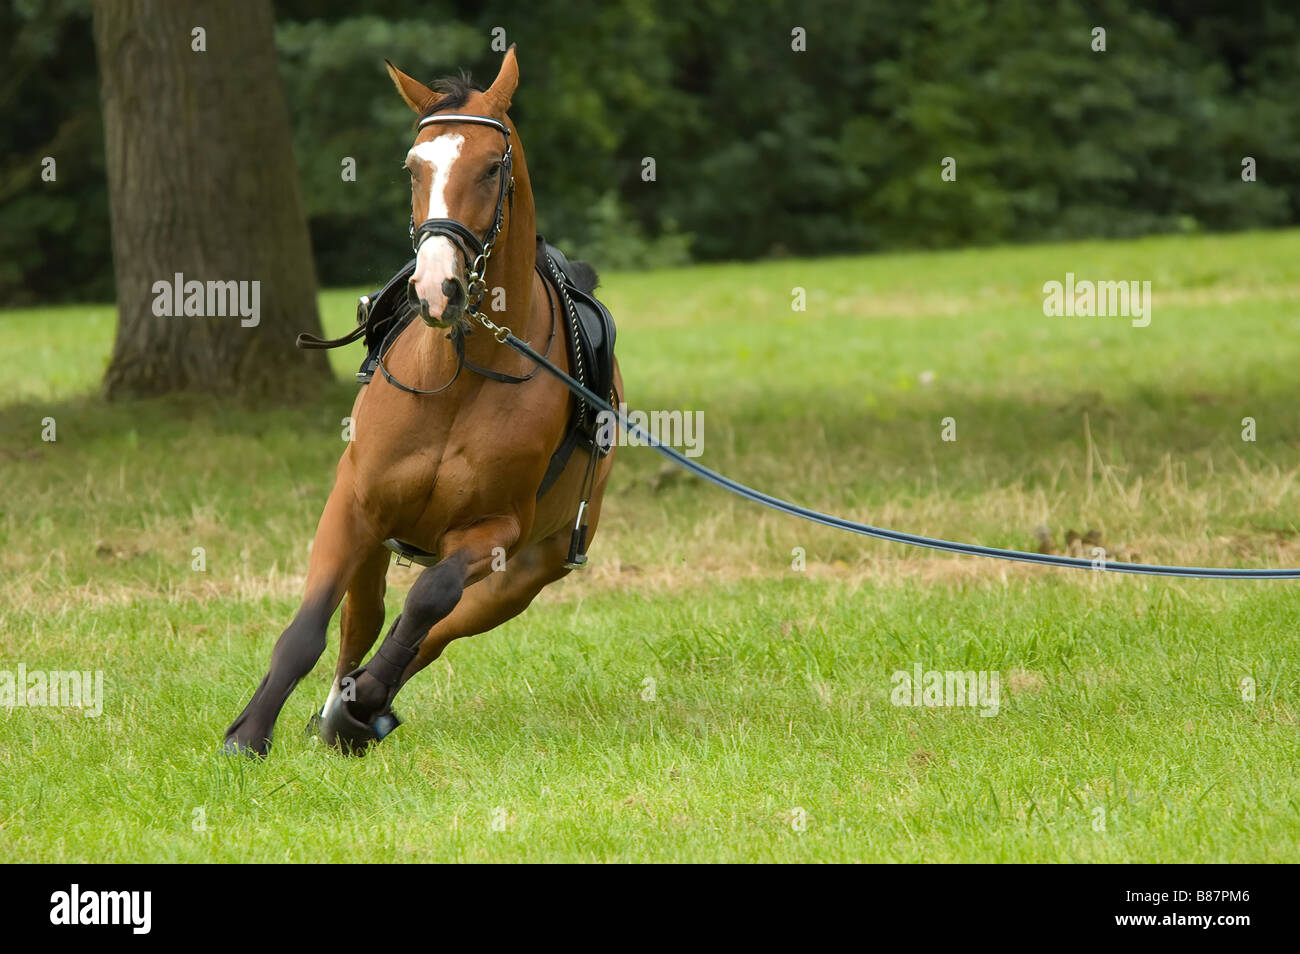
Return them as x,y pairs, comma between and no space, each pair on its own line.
344,105
54,238
759,150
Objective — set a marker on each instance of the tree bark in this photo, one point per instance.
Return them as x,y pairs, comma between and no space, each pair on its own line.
202,182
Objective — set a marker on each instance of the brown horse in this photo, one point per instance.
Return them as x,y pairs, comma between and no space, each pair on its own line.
455,473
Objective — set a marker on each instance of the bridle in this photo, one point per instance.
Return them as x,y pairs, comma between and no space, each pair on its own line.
476,251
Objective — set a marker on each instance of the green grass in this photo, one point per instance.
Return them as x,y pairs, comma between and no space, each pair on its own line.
1121,697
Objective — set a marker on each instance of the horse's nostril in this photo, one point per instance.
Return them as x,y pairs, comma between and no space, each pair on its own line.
412,295
424,310
454,289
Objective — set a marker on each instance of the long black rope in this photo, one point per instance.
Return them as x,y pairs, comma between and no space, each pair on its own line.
895,536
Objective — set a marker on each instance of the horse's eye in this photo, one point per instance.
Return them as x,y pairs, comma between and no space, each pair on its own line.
493,171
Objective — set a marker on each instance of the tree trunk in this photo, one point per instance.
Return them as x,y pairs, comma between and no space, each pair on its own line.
202,183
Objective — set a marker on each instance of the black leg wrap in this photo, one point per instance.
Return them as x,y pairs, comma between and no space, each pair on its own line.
390,662
372,687
338,727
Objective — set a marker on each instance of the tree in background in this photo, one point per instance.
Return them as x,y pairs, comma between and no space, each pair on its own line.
203,185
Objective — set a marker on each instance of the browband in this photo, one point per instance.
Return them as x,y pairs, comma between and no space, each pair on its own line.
466,118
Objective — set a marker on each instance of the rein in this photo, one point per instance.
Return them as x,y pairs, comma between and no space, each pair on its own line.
895,536
457,337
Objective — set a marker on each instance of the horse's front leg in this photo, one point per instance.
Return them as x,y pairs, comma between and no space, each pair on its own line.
343,538
362,713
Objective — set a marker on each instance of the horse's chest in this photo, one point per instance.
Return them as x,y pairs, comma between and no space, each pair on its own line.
405,487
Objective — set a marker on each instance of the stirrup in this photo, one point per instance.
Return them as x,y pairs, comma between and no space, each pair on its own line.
577,557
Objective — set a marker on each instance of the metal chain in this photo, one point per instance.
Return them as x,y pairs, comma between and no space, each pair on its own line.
477,289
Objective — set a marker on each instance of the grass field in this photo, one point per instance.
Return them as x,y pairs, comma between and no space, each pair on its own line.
1140,719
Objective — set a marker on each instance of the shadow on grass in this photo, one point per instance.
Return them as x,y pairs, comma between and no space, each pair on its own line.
91,424
998,438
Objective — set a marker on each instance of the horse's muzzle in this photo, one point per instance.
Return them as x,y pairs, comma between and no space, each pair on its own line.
457,297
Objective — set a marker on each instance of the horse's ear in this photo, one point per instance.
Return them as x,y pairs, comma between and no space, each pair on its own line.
415,93
503,87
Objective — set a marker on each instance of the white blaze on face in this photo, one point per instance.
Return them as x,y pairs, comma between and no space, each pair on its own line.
436,258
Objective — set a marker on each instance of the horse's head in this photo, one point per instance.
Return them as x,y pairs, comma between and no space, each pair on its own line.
460,184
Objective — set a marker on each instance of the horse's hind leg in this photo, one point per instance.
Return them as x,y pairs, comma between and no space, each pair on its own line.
503,596
341,541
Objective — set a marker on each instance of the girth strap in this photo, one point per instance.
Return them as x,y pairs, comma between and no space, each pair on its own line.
559,460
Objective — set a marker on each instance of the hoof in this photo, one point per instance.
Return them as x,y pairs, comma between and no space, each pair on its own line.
339,728
233,746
